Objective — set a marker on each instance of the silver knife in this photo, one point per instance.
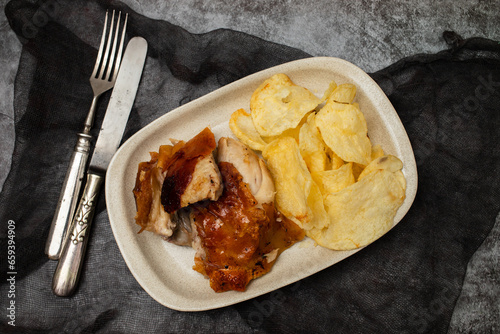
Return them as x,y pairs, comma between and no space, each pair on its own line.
122,98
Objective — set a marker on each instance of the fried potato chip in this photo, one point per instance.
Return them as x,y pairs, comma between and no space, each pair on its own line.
297,196
401,179
294,133
311,145
329,91
387,162
343,93
332,181
315,202
335,161
361,213
241,124
357,169
343,128
278,104
329,179
377,152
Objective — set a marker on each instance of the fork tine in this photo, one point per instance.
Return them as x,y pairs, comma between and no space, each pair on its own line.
106,53
113,49
120,49
101,46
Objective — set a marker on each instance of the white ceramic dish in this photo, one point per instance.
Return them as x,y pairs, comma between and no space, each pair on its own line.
165,270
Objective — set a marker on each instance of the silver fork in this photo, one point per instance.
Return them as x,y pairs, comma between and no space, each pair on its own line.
102,79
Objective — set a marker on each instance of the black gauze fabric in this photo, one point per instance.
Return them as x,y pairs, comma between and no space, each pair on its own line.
406,282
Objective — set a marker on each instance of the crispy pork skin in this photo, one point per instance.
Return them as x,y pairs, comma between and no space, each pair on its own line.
150,213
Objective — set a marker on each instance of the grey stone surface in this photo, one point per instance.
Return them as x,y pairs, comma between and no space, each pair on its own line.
478,307
370,34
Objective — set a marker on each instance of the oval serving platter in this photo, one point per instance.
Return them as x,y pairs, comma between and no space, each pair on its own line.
165,270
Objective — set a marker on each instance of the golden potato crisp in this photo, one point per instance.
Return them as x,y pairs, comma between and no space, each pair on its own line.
343,128
297,196
377,152
278,104
315,202
293,132
334,160
334,180
329,90
329,178
388,162
241,124
343,93
362,212
311,145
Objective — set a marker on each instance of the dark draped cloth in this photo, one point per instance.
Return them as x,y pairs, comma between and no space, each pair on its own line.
406,282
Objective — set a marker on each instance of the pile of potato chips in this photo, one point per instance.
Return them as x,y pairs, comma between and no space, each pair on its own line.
330,180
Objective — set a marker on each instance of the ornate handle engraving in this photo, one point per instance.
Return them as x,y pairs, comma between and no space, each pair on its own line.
68,269
81,219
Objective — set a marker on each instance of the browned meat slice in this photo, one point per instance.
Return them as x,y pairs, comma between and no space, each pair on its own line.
238,234
150,213
238,238
178,174
192,174
253,169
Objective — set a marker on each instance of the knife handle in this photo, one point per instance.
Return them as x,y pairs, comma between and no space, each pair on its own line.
68,197
70,263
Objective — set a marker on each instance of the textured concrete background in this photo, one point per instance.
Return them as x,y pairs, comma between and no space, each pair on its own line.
370,34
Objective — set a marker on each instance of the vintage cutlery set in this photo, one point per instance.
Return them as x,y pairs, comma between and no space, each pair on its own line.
69,232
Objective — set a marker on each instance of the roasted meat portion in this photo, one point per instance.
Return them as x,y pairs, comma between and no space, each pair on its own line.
238,237
191,174
253,169
176,176
151,215
224,210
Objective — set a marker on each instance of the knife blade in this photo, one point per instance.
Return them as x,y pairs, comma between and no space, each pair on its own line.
120,104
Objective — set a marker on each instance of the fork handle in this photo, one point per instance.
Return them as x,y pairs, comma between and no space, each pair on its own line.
89,121
68,197
70,263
